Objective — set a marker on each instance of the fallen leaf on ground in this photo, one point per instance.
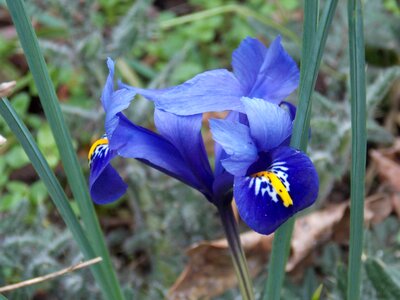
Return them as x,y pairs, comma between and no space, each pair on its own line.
388,164
210,272
311,230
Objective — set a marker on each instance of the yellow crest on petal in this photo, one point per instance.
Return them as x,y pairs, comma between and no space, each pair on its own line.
96,148
272,179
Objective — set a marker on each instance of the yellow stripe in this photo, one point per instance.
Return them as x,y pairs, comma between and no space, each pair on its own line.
277,185
102,141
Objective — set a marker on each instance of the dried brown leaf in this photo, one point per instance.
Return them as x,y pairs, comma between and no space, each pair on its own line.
378,208
388,165
311,230
210,272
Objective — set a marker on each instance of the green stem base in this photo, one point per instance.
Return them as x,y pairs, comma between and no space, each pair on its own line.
237,253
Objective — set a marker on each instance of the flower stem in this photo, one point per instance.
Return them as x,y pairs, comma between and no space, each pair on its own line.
237,253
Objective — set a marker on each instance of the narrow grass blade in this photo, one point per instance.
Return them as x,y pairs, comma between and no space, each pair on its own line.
311,61
311,12
62,137
53,186
306,88
358,145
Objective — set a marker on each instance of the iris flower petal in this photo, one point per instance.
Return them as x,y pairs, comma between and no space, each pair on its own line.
270,125
235,139
278,76
246,62
215,90
105,184
219,152
108,90
132,141
121,100
184,132
270,74
285,183
290,108
114,101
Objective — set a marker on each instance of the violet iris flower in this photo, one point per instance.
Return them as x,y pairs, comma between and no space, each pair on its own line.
178,150
270,180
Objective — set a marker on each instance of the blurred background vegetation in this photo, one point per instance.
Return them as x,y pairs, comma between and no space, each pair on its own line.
158,44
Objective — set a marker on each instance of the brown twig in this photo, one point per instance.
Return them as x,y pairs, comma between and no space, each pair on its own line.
50,276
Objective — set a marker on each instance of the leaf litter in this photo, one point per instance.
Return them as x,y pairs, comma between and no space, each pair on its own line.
209,271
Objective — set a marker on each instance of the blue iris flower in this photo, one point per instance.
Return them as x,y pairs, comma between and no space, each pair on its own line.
177,150
270,180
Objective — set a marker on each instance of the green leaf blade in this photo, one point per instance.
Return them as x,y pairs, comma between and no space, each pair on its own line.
359,145
62,137
311,60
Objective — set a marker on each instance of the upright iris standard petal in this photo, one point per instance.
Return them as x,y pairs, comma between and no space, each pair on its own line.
108,90
105,184
283,182
278,76
114,101
235,139
184,132
219,152
270,125
198,94
247,60
121,100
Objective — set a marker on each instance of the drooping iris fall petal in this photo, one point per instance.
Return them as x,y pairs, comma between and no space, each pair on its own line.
105,183
283,182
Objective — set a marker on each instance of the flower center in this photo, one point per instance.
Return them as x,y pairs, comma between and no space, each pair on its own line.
277,184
